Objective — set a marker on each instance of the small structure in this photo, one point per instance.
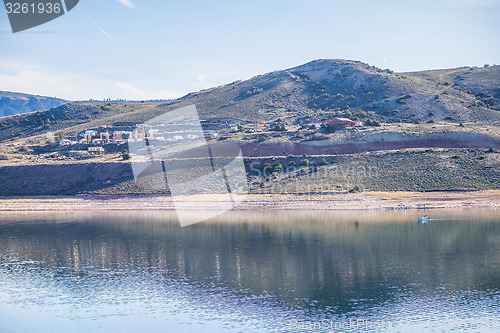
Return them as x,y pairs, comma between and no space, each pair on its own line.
233,128
95,151
78,153
55,154
211,135
314,126
64,142
121,136
277,122
104,137
343,122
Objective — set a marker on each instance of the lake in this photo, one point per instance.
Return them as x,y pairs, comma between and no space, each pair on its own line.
266,271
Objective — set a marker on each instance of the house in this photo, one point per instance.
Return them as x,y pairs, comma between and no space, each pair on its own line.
343,122
96,151
91,133
78,153
121,136
211,135
55,154
104,137
278,122
233,128
64,142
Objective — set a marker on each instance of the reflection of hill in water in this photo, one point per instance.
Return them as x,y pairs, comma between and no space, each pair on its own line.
339,259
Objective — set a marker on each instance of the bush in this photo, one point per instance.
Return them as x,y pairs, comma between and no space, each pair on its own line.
373,123
323,162
125,155
305,162
278,167
355,189
279,128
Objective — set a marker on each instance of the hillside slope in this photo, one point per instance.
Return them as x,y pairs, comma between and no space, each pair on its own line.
326,88
316,91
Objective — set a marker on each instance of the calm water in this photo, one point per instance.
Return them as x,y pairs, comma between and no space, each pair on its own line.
250,272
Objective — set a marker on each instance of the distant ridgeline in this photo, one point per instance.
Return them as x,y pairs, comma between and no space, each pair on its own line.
12,103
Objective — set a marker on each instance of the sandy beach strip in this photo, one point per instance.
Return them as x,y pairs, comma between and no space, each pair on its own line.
351,201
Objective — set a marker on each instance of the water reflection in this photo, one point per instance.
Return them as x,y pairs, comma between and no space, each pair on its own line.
250,271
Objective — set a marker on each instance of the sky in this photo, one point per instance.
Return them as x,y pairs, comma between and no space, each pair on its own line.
157,49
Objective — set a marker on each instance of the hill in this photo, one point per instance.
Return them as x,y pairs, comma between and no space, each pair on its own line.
314,92
12,103
424,131
326,88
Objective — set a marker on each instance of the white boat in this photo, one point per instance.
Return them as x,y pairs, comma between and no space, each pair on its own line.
424,218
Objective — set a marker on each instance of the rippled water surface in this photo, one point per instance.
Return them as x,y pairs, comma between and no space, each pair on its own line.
250,272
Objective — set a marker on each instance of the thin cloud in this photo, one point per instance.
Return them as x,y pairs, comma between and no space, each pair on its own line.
127,3
35,79
201,78
101,29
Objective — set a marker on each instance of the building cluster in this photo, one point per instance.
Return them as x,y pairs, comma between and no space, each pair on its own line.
104,136
92,151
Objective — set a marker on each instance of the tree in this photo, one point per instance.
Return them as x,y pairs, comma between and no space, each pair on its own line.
125,155
60,136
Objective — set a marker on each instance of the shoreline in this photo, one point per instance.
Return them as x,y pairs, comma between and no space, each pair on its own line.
350,201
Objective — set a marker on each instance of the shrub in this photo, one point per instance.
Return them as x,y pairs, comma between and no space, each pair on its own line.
305,162
355,189
323,162
373,123
125,155
279,128
278,167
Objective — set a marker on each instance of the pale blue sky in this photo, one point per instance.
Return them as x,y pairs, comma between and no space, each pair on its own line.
141,49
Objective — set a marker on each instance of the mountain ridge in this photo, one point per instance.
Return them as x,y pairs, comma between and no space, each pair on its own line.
313,92
13,103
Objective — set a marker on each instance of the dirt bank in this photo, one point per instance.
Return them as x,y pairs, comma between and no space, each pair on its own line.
353,201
